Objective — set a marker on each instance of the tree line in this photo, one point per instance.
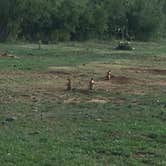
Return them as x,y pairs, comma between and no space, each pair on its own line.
63,20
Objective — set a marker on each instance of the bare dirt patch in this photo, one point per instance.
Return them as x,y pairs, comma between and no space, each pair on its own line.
62,71
72,100
6,55
159,83
157,71
101,101
143,70
11,73
75,100
117,80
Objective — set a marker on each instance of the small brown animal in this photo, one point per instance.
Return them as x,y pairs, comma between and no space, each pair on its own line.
91,84
108,77
68,84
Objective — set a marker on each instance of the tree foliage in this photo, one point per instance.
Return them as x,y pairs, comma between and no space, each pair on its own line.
61,20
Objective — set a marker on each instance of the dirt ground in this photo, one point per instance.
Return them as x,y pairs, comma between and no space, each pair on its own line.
36,86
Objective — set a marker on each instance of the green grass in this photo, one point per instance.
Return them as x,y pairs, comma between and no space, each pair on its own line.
55,127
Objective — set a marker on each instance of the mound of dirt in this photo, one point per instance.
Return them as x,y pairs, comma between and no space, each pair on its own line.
157,71
59,72
120,79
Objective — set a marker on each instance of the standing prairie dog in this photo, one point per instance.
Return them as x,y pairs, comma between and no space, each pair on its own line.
108,77
68,84
91,84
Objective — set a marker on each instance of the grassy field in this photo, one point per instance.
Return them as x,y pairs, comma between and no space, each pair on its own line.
121,123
